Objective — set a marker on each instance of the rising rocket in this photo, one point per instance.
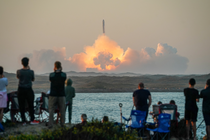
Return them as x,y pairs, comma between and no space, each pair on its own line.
103,24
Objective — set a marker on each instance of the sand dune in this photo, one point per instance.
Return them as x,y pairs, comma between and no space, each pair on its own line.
100,82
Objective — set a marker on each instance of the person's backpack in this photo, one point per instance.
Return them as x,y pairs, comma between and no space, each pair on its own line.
1,128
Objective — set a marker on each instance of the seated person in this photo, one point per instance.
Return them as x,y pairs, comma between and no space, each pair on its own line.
105,119
153,113
174,103
159,103
84,122
84,119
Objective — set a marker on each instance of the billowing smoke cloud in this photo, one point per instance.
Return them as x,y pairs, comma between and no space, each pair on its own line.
43,61
106,55
105,59
164,60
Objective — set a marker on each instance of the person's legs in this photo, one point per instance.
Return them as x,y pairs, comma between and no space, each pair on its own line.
52,102
206,117
21,102
30,101
194,129
140,109
187,118
1,114
193,121
70,111
188,128
62,108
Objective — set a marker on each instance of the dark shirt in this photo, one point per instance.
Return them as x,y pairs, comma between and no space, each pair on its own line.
191,95
205,94
140,99
25,76
84,122
57,87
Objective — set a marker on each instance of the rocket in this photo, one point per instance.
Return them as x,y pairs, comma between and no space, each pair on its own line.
103,24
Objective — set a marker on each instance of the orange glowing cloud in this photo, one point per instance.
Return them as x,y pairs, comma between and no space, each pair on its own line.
105,54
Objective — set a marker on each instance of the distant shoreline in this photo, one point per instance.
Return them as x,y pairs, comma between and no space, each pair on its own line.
117,84
38,91
113,91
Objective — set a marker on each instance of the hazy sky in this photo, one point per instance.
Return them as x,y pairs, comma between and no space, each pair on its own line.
164,36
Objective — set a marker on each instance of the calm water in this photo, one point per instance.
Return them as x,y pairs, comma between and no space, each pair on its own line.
97,105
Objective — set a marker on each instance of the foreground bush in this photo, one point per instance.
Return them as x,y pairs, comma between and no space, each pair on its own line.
96,130
93,130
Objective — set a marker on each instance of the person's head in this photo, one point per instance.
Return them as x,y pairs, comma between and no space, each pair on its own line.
105,119
208,82
141,85
192,82
68,82
84,117
57,65
1,70
25,61
159,103
172,102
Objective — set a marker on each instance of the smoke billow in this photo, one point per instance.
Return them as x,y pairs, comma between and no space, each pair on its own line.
163,60
105,59
107,55
43,61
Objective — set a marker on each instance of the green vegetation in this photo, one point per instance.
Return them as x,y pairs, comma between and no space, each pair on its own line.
94,130
92,84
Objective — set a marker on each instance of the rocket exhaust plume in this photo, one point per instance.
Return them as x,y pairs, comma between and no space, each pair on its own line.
106,55
103,24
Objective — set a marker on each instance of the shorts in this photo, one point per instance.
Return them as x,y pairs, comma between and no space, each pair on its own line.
206,117
191,115
3,99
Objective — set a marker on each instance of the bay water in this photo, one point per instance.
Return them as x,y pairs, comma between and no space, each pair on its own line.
97,105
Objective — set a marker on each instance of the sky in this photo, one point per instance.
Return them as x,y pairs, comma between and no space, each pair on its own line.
148,37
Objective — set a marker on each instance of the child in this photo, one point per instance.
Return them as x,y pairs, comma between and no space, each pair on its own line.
70,93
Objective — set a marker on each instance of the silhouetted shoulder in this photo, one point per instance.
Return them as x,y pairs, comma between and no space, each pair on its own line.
52,74
63,74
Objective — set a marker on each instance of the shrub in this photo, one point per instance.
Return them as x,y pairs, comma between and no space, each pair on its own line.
94,130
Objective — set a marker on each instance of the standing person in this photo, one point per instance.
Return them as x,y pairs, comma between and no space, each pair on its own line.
70,94
3,93
25,91
205,94
191,109
140,98
57,93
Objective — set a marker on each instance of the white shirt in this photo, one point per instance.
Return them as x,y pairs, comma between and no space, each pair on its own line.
3,84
